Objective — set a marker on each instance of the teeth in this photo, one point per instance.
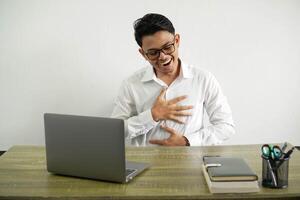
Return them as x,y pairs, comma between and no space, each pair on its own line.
166,62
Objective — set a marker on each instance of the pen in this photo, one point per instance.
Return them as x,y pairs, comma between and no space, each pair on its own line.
284,147
288,154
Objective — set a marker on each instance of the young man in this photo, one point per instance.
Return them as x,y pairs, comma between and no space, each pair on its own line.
164,103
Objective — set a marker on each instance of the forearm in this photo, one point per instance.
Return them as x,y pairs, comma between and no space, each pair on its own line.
136,125
139,124
211,135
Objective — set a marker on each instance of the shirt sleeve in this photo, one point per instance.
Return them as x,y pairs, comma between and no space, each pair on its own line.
135,123
220,117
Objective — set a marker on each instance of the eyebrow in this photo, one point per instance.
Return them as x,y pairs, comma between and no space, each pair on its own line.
160,47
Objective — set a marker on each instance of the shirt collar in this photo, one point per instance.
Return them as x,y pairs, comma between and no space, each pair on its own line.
149,74
185,72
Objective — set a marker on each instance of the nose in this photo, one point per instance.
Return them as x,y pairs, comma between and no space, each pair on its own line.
162,55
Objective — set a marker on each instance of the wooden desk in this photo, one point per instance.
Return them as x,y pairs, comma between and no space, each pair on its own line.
175,174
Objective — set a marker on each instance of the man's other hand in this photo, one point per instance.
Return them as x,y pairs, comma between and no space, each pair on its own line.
175,138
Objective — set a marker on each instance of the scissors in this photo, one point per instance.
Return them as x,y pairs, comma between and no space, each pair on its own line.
271,152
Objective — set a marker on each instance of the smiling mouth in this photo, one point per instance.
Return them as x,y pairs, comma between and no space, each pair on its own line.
165,64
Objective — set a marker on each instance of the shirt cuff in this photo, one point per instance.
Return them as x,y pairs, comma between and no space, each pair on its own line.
147,119
193,139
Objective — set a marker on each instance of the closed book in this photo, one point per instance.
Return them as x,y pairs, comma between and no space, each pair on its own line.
228,169
230,186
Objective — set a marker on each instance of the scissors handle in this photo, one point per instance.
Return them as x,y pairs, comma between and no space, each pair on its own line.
272,152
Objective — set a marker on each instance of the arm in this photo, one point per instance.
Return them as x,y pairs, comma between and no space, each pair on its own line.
135,123
220,117
141,123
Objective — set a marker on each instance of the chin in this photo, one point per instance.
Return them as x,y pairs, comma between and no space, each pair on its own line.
165,70
169,70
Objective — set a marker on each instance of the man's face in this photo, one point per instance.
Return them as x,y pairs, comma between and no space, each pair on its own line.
161,51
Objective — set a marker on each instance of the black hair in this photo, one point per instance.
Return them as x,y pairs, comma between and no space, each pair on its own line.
149,24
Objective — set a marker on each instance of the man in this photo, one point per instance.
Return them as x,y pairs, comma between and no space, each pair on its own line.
163,104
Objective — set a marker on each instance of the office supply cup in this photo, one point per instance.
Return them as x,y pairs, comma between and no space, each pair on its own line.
275,173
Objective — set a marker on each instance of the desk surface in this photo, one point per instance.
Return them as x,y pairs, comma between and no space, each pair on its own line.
175,174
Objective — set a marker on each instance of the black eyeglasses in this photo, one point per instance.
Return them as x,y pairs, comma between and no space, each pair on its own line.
168,49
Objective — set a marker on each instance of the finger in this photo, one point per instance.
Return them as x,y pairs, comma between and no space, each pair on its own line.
168,129
181,113
175,119
159,142
177,99
179,108
162,93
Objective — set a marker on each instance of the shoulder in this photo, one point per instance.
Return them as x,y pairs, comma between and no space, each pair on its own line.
198,72
137,76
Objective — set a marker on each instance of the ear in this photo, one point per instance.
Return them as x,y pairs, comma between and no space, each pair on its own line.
177,39
142,53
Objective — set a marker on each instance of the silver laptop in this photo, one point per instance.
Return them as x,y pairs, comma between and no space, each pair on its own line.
88,147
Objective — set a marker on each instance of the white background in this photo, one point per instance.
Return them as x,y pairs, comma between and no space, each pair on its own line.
71,56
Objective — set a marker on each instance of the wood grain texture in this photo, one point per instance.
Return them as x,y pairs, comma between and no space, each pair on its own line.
175,174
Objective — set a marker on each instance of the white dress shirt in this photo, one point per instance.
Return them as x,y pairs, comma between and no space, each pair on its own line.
139,92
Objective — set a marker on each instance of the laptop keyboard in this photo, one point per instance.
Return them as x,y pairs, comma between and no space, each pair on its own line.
130,171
